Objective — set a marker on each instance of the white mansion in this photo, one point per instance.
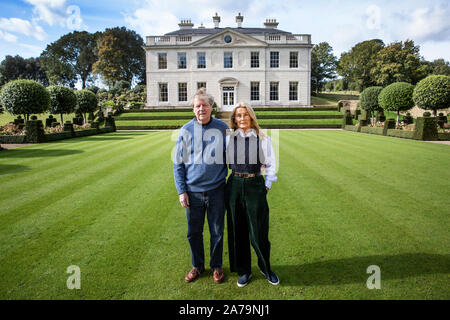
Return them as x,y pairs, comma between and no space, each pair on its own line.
260,66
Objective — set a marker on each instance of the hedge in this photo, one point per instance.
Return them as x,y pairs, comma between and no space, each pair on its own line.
400,133
352,128
372,130
444,136
12,139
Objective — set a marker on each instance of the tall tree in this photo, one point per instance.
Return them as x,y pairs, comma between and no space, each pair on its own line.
438,67
323,65
71,58
13,68
398,62
120,56
355,65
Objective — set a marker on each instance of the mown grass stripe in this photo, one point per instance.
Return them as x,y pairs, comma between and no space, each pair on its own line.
104,243
103,217
390,159
25,227
342,176
41,168
56,190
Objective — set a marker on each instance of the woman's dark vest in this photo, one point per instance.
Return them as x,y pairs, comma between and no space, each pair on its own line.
249,165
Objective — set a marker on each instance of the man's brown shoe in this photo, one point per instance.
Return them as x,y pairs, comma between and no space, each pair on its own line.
218,275
193,274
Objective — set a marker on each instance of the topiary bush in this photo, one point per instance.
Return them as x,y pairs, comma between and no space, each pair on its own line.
397,97
433,93
24,97
368,99
86,102
62,100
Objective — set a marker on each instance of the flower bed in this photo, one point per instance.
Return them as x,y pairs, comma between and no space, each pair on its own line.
11,133
11,129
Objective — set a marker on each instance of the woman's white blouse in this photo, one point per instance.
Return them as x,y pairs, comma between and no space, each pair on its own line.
269,155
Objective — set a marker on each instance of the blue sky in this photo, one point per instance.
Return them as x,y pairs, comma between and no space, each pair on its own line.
27,26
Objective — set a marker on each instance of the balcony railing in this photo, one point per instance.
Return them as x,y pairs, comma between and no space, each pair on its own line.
269,38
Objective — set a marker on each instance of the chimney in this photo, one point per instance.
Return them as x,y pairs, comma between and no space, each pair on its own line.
201,26
239,20
186,24
216,20
271,23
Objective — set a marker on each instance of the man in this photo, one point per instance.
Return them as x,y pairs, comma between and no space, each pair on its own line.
200,171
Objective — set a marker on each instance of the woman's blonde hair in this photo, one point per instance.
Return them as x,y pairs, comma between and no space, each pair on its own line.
253,121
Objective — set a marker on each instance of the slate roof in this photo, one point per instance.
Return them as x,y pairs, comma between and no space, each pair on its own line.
209,31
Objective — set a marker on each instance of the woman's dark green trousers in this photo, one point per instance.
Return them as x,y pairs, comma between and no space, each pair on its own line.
247,221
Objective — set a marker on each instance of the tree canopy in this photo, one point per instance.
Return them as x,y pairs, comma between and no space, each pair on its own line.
24,97
120,56
70,58
323,65
433,93
13,68
62,100
398,62
397,97
356,65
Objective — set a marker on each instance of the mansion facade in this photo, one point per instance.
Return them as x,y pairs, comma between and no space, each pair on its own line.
259,66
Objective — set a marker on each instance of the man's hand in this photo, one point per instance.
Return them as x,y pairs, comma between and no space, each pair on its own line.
184,200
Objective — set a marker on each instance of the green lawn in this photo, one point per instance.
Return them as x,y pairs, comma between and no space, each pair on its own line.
299,121
154,114
343,201
329,98
260,113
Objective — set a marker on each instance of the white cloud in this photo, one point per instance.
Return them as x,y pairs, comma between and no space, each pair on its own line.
50,11
57,13
8,36
160,17
21,26
425,24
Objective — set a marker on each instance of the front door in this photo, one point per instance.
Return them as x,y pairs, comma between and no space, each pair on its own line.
227,98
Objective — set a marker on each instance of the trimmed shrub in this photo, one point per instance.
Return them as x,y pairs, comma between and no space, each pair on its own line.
49,121
34,131
408,119
441,120
24,97
86,102
426,128
396,97
347,119
136,105
433,93
62,100
388,124
368,99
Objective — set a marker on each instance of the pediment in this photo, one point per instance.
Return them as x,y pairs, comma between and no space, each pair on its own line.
237,40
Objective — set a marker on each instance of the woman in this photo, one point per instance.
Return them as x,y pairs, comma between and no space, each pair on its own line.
249,151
